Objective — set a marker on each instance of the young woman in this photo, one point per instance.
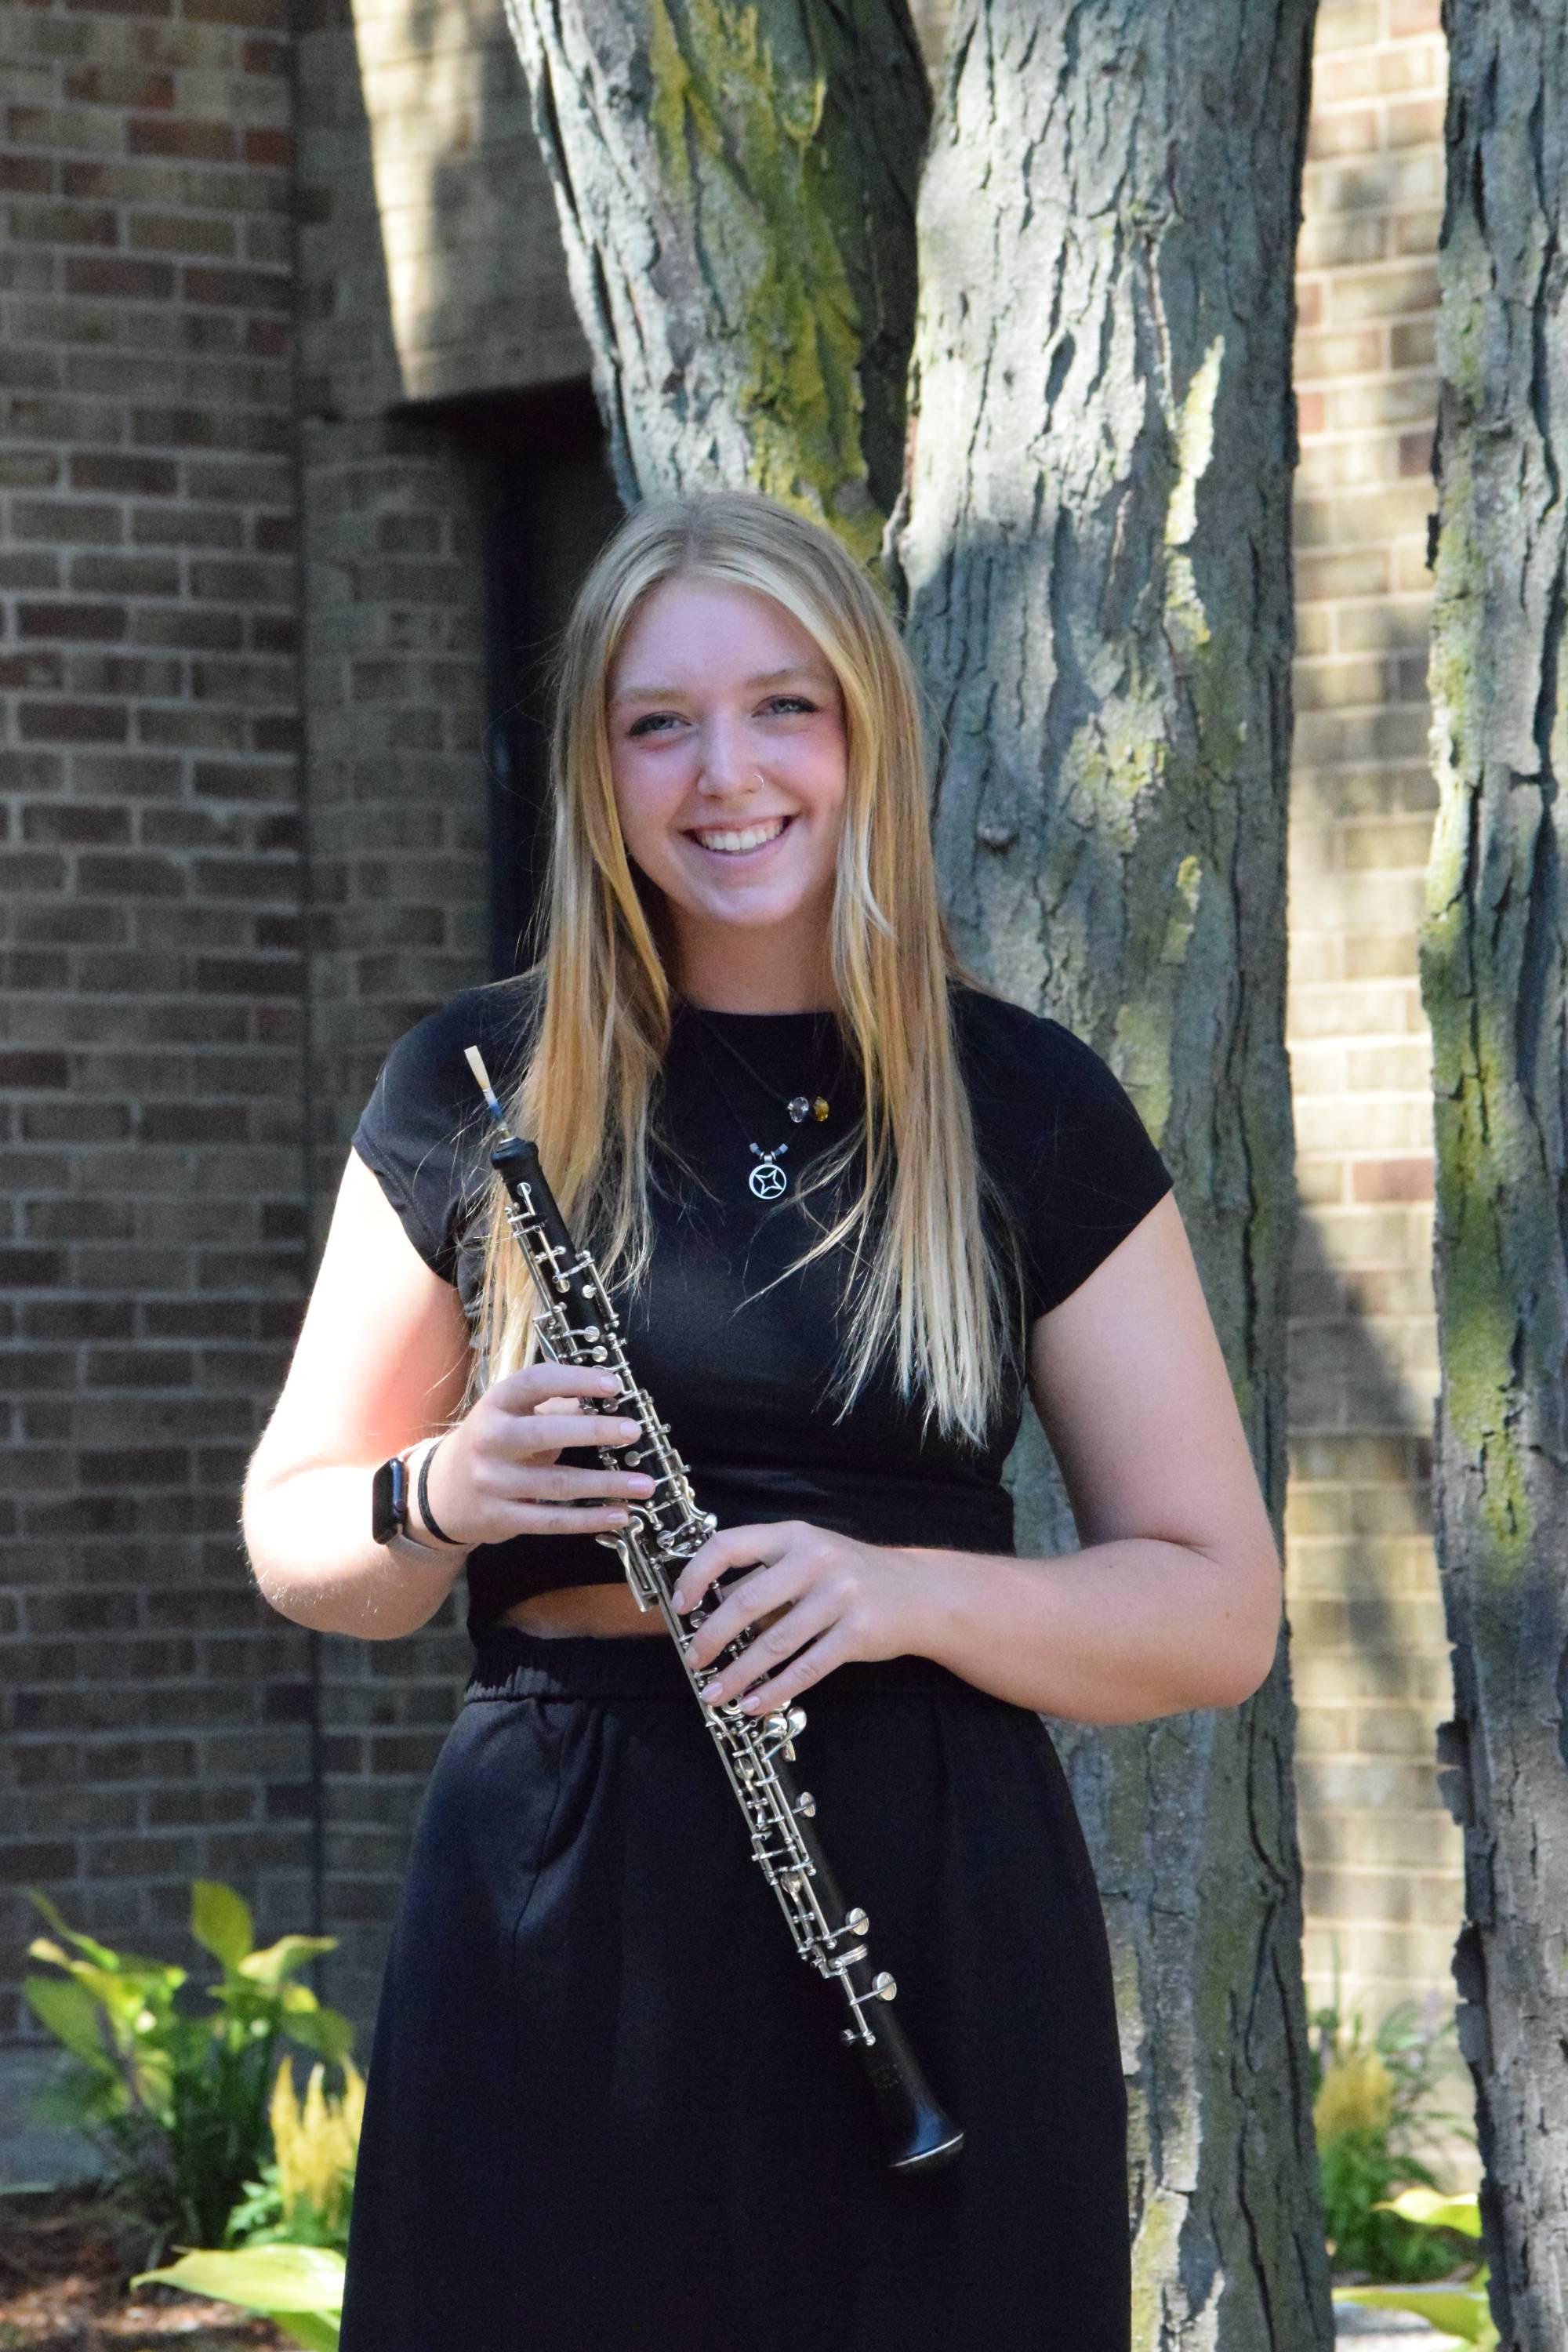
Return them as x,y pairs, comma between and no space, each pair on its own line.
853,1207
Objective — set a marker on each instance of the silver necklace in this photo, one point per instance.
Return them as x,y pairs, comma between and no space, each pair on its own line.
767,1181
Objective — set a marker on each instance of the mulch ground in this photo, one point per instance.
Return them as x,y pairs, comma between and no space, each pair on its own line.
63,2272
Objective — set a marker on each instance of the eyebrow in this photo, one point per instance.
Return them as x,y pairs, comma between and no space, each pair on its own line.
763,678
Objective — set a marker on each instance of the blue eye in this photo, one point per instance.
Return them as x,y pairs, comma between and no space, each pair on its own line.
649,721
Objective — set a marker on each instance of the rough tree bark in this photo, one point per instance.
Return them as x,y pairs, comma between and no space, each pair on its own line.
1495,979
1097,558
736,188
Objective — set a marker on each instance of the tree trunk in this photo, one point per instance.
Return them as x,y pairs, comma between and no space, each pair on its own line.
1097,557
1496,989
736,188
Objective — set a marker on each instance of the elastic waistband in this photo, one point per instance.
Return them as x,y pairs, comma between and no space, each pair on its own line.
511,1665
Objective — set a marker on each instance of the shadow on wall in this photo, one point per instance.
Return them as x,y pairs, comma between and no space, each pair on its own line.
1373,1461
469,246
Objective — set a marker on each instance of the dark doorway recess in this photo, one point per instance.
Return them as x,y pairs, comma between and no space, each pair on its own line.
548,504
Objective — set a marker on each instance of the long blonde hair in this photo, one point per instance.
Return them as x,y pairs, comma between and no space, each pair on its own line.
928,1288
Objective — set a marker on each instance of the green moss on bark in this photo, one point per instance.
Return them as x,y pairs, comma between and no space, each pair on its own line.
1475,1083
727,114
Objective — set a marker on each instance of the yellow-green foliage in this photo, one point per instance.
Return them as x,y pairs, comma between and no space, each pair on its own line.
316,2142
1356,2093
723,108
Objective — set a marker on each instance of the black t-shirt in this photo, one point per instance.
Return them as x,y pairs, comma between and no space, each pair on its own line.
744,1380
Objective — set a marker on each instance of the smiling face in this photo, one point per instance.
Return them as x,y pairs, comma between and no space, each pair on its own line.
728,756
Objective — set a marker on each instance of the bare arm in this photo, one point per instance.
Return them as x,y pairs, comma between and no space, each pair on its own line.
383,1362
1174,1599
1172,1603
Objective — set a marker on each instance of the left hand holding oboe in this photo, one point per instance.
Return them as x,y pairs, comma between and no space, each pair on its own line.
818,1599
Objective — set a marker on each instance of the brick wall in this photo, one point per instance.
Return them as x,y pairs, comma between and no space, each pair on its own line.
1383,1871
152,1712
429,266
395,786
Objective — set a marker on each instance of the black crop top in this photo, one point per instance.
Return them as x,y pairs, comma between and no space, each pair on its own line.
743,1382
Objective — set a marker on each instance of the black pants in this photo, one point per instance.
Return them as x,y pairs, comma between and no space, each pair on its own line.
608,2107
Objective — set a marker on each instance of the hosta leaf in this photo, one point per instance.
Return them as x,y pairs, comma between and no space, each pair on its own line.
70,2012
1435,2211
285,2281
1457,2310
99,1952
221,1921
325,2030
280,1959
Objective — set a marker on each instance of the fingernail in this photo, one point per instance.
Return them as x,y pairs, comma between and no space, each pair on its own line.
640,1484
619,1518
628,1428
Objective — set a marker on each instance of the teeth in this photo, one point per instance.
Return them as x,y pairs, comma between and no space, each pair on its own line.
752,838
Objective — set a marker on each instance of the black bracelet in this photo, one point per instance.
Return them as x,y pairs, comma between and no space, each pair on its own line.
423,1491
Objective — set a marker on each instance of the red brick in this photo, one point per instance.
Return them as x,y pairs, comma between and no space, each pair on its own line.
134,477
126,575
75,821
1407,17
146,281
32,175
110,86
72,722
34,673
194,627
183,233
246,289
32,870
1350,132
97,623
1392,1180
23,1069
65,223
255,15
181,428
211,143
1415,123
272,148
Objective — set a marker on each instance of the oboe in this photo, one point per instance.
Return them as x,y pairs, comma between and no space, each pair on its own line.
576,1324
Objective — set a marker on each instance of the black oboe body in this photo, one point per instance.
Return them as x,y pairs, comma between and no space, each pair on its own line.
577,1325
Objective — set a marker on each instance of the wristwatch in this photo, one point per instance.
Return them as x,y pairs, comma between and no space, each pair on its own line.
389,1501
389,1505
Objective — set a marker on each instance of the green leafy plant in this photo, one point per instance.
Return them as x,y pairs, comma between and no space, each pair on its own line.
303,2196
1375,2114
1460,2306
299,2287
174,2096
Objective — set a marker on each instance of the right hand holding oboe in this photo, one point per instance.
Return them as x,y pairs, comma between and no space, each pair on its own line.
497,1474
